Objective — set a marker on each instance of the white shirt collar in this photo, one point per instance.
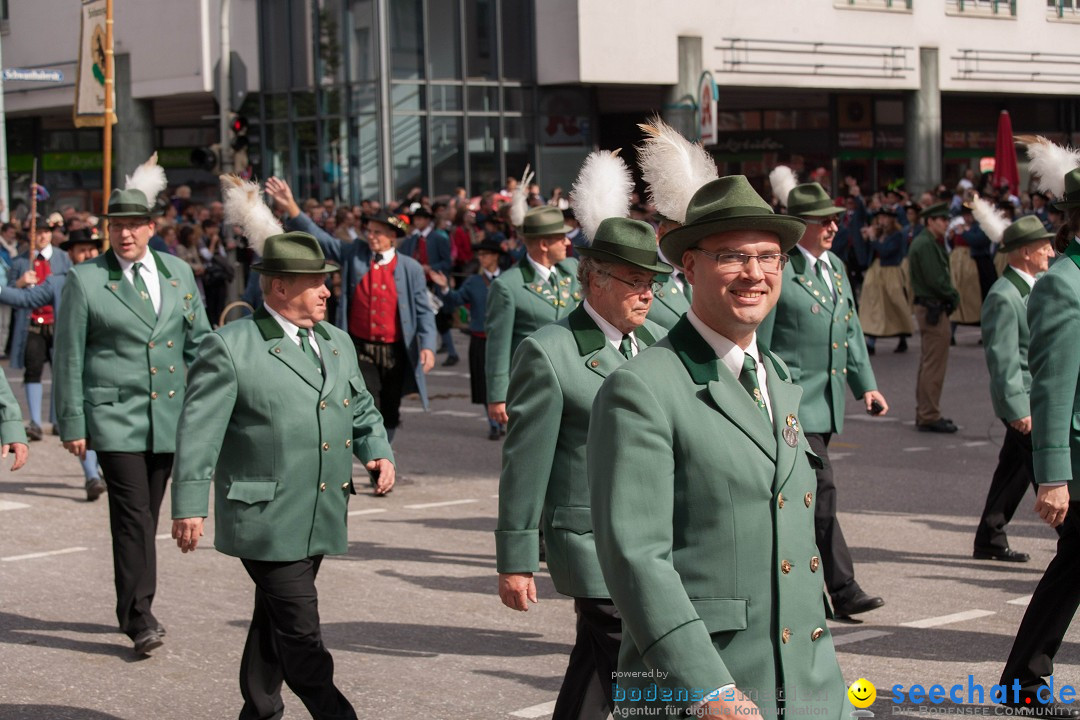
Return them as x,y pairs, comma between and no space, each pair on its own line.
47,251
612,333
1029,279
812,262
149,276
291,328
125,265
491,276
543,272
427,231
387,256
731,355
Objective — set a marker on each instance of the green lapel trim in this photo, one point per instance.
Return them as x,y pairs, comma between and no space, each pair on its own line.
267,325
321,329
160,264
785,397
115,273
1073,251
587,335
528,273
797,261
126,293
644,337
696,354
1017,281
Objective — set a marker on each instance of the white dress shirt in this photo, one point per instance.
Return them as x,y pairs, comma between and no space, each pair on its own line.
811,269
612,333
149,275
291,329
387,256
731,355
677,276
542,272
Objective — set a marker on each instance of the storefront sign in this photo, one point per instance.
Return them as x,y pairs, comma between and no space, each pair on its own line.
707,110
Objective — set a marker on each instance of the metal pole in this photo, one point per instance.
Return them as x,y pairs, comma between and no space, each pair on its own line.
4,195
106,149
225,91
382,19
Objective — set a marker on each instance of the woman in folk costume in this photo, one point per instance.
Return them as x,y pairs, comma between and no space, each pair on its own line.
885,304
965,237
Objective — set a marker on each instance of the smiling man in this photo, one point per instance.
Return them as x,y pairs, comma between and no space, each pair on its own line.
702,488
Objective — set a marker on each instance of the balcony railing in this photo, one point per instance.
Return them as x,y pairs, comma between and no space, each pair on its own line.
902,5
1063,9
982,8
819,59
1015,66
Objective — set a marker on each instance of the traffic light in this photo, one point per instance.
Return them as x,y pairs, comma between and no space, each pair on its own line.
239,127
206,158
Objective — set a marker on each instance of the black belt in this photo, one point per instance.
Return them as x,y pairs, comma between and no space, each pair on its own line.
40,328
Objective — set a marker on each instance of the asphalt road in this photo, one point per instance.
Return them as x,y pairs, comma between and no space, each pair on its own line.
411,613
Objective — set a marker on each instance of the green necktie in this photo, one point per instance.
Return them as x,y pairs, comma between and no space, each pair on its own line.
626,348
748,379
824,274
305,345
553,281
140,284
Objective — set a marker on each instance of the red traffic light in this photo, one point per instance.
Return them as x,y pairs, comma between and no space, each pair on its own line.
239,124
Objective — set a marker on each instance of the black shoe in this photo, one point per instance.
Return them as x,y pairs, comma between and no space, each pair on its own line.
94,489
860,602
940,425
493,433
56,430
34,432
160,630
147,640
1003,555
871,350
502,431
901,347
451,361
1030,706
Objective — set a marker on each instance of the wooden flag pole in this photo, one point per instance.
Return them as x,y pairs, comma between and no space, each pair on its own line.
106,170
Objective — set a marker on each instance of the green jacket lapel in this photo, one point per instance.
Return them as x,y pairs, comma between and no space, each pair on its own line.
1018,282
285,350
595,350
170,294
784,397
331,358
119,286
806,281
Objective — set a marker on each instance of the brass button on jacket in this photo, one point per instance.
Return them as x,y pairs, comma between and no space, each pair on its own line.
346,401
322,405
785,635
808,499
780,501
348,443
816,635
785,567
326,446
815,563
322,487
153,396
344,486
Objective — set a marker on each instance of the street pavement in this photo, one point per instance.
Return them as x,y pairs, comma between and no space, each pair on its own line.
412,615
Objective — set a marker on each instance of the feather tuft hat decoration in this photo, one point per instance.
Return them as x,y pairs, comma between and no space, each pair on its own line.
519,202
673,168
149,179
244,206
1049,162
601,191
783,181
992,220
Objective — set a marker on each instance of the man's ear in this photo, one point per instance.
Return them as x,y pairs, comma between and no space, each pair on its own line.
689,263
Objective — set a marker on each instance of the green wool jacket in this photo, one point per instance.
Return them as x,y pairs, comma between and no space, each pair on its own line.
276,438
11,422
1005,341
556,373
821,342
118,371
704,523
928,267
669,304
517,306
1053,314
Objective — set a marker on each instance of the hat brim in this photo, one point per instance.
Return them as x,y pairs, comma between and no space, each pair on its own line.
788,230
133,214
824,212
564,230
327,268
399,232
68,244
658,267
1026,241
1065,204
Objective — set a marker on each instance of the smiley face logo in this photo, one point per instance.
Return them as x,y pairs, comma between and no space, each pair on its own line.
862,693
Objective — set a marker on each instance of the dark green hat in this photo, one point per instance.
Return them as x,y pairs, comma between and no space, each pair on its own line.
544,220
293,253
1026,230
627,242
811,200
130,203
729,203
1072,191
940,209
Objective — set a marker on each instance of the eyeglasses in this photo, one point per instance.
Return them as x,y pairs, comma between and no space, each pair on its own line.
640,287
826,221
734,261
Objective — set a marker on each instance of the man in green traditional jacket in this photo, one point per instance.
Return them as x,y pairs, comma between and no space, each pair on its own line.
935,298
555,376
1005,341
129,324
815,330
540,289
276,410
702,490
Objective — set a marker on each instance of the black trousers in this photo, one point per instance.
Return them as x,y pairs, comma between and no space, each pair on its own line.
1050,611
836,563
136,483
1015,472
595,658
39,342
384,366
284,642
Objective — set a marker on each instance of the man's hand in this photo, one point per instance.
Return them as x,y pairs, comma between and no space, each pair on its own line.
22,452
383,469
76,447
27,279
1022,426
1052,503
186,532
732,704
497,412
280,192
427,360
517,590
870,397
439,279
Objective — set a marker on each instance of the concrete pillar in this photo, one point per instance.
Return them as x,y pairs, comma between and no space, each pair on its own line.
691,65
922,142
133,134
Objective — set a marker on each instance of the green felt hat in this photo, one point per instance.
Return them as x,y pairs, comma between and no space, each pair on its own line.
940,209
293,253
1026,230
1072,191
811,200
724,204
130,203
627,242
544,220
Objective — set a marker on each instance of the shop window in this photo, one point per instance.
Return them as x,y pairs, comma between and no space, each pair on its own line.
483,154
407,98
445,98
516,20
447,155
484,99
364,157
444,40
409,154
361,40
481,44
406,39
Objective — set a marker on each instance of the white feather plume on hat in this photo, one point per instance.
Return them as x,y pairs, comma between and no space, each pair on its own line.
244,206
601,191
993,221
783,181
149,178
673,167
519,202
1049,162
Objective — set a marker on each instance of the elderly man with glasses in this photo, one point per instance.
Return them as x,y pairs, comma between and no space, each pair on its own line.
816,331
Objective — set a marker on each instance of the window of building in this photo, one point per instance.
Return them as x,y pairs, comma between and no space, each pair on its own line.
873,4
982,8
1063,9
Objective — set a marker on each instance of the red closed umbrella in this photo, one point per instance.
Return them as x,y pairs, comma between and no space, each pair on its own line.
1005,169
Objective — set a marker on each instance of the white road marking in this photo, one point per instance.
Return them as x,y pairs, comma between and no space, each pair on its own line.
407,409
1019,601
445,503
371,511
448,373
916,449
8,505
839,456
871,418
455,413
163,536
535,711
858,636
947,619
495,495
31,556
976,443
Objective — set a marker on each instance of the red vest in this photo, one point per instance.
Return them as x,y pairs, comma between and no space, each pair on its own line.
44,314
374,312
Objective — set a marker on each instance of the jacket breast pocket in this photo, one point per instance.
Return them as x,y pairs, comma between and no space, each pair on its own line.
721,614
576,519
102,395
358,386
252,492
